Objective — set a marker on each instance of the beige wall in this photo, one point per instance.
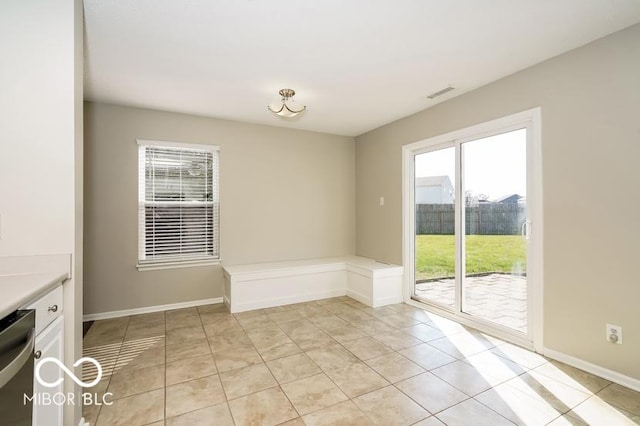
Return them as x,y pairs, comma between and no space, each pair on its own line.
285,194
590,101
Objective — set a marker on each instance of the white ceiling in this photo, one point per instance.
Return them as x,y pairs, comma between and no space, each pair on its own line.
356,64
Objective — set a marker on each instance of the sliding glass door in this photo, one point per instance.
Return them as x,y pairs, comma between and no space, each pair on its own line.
494,179
435,247
471,205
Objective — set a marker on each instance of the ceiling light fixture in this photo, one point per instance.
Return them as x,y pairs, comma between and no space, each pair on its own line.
285,110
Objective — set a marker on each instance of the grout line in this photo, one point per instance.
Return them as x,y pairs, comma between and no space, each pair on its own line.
358,360
341,344
263,362
110,376
164,412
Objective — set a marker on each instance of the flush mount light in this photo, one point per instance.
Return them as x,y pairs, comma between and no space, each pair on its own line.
284,109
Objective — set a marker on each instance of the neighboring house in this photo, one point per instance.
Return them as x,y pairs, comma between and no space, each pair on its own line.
434,190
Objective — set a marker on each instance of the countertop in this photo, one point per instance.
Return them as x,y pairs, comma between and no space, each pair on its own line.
17,290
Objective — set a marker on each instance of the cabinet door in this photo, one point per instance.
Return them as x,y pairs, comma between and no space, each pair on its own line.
50,344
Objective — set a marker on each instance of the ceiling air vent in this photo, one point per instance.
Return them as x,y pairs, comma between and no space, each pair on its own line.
440,92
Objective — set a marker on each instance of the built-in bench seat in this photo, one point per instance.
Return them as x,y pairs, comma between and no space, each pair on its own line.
265,285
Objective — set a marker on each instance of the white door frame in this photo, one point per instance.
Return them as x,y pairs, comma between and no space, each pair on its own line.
531,120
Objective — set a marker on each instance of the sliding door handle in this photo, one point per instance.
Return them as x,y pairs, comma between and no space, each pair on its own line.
526,229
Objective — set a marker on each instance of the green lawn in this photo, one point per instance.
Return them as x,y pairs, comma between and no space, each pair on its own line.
484,253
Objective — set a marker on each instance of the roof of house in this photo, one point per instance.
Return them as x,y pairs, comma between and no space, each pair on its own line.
507,197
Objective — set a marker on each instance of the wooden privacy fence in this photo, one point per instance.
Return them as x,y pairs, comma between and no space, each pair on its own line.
481,219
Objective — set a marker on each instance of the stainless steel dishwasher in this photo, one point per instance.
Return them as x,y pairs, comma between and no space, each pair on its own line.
17,337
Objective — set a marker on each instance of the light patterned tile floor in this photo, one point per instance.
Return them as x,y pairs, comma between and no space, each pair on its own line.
333,362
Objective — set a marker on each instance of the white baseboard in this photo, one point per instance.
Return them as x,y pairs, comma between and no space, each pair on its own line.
149,309
360,297
375,303
386,301
605,373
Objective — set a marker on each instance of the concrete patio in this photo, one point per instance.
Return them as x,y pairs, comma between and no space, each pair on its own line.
501,298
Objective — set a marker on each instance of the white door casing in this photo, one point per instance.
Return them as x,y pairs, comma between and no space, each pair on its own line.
531,120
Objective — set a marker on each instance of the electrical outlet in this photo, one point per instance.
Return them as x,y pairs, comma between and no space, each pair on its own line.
614,333
381,201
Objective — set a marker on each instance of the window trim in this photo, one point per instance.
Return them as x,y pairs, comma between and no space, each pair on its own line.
176,263
170,144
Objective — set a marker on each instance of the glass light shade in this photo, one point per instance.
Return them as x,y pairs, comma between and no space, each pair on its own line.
286,106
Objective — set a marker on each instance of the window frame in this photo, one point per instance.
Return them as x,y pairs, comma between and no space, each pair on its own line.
197,260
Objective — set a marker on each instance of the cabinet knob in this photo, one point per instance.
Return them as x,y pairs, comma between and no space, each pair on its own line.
53,308
37,355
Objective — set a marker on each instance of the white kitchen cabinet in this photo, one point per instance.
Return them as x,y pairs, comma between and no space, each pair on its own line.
49,402
49,344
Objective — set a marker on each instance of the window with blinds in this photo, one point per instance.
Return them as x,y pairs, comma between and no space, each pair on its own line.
178,204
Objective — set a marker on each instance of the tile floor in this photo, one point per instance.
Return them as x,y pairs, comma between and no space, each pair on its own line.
333,362
501,298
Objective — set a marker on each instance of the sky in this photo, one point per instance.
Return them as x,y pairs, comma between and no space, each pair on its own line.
494,166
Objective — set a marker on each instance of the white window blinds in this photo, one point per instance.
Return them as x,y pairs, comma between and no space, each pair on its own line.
178,203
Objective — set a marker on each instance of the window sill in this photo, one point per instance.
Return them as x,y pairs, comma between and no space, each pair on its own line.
177,264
